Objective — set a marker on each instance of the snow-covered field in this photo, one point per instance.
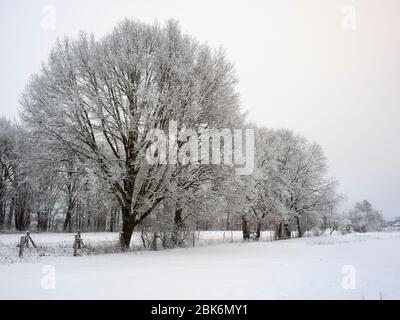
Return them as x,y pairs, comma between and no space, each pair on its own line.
61,244
67,238
354,266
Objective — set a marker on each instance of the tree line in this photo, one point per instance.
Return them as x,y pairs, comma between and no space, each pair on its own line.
76,158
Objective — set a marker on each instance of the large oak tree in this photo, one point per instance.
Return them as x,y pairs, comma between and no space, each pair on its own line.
99,98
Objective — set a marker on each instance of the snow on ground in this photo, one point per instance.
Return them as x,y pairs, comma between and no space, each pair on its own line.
60,244
307,268
67,238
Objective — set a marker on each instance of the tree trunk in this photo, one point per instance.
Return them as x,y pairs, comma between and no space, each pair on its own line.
278,231
67,221
154,244
68,217
39,221
43,220
101,221
299,230
22,214
2,213
10,214
2,209
22,219
258,231
282,231
128,225
228,222
178,228
287,233
112,219
246,234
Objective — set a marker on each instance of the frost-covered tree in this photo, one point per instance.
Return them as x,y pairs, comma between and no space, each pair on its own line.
99,99
21,180
365,218
290,186
7,160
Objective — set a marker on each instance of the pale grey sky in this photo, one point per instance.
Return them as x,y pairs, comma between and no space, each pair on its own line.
306,65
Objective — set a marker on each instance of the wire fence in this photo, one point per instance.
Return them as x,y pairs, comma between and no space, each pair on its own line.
68,244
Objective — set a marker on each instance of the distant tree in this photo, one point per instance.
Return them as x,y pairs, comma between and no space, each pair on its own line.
7,159
16,180
290,186
365,218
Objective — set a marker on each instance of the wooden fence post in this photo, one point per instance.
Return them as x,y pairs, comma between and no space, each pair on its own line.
75,245
21,247
78,243
79,240
29,238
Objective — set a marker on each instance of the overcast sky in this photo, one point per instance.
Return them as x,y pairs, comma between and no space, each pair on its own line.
327,69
